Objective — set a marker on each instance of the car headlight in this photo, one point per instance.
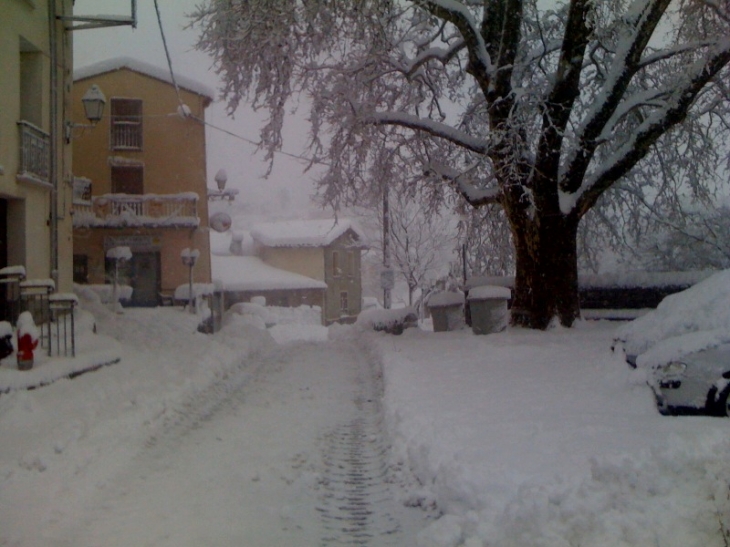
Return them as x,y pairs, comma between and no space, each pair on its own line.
673,368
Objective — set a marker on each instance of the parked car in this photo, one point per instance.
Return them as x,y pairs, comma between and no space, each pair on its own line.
393,321
684,345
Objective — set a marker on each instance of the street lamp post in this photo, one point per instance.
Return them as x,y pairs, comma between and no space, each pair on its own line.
119,255
189,257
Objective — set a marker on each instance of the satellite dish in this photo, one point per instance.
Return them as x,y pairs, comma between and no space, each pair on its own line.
221,222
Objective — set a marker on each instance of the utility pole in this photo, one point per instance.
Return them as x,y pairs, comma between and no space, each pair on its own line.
386,276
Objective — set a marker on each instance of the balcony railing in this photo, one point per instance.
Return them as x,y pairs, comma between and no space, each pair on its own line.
146,210
35,152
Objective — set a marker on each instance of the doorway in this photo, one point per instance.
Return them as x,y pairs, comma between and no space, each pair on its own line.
145,279
4,313
142,273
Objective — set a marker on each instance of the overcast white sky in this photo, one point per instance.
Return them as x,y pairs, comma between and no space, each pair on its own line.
145,43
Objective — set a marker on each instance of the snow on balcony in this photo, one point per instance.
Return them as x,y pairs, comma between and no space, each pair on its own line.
145,210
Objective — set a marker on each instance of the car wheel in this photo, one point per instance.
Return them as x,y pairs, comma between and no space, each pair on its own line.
718,405
723,403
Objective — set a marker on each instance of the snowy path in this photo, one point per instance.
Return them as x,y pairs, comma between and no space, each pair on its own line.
295,457
358,507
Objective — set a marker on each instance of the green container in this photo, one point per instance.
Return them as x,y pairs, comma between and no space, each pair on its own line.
488,307
447,311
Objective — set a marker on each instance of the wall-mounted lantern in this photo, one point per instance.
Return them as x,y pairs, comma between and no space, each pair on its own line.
94,102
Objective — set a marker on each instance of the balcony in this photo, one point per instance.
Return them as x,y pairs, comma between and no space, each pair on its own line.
35,154
146,210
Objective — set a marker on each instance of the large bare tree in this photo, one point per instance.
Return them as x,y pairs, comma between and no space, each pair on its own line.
539,107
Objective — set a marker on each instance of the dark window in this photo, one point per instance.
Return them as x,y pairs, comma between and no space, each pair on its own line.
344,308
280,300
335,263
126,127
128,179
350,263
122,270
81,269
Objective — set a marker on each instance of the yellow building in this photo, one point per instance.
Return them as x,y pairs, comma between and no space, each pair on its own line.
35,168
327,251
141,178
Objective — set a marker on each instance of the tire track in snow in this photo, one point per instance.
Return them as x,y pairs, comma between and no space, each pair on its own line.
358,506
201,406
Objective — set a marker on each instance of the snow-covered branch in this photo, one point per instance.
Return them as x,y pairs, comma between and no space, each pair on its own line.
472,191
432,127
673,112
441,55
641,23
459,15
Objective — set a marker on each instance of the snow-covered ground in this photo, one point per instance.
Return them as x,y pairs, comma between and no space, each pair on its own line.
517,438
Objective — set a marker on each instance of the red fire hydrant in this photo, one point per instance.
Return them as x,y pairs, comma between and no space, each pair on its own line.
27,340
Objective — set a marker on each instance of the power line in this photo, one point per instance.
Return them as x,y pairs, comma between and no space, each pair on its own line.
167,54
184,110
258,144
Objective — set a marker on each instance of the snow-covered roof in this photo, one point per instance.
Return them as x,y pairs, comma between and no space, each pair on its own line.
163,74
304,233
634,279
250,273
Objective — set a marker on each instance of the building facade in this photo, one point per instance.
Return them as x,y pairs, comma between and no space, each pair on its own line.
325,250
35,159
141,179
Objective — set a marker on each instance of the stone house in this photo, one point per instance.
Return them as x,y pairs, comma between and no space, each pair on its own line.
302,262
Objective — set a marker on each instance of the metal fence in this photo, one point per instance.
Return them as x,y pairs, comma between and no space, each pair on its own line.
61,327
52,313
34,296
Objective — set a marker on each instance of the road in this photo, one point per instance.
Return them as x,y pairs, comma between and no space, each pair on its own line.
295,456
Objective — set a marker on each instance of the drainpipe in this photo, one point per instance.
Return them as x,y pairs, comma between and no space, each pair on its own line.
53,112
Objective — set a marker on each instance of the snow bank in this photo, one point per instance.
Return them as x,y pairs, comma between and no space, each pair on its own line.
284,324
548,439
103,293
62,442
705,306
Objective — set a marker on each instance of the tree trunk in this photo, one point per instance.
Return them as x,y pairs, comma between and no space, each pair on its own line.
546,284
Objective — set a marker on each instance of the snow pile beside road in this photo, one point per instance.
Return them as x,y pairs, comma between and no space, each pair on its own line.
519,438
546,438
61,442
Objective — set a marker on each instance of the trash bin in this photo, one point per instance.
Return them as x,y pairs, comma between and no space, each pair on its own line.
447,310
488,305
